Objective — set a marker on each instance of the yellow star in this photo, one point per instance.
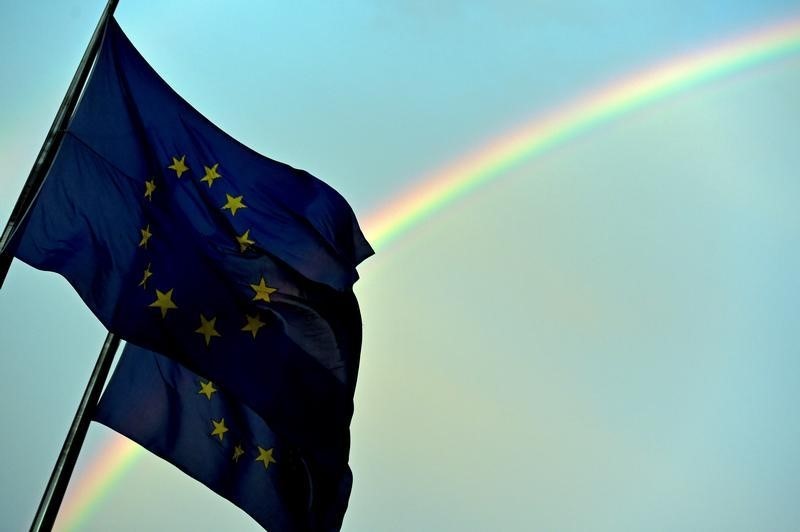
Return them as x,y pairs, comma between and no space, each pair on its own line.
253,324
146,234
244,241
149,187
207,328
265,455
234,204
237,452
179,165
147,275
207,389
211,175
262,291
164,302
219,428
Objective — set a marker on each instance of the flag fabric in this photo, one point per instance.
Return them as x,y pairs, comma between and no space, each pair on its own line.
185,242
195,425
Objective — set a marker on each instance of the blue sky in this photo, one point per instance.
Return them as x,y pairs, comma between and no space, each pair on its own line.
604,338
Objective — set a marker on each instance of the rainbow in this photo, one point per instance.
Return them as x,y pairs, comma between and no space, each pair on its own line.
445,185
116,457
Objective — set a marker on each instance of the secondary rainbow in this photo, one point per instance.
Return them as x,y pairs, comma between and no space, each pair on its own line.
442,187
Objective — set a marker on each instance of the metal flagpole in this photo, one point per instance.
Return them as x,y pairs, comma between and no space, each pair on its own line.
52,141
57,485
59,479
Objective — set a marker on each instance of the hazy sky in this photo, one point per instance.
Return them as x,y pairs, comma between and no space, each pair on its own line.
604,338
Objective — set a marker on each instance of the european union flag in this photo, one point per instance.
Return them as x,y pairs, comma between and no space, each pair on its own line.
187,243
192,423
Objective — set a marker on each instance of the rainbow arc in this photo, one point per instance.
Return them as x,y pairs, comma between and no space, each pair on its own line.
458,178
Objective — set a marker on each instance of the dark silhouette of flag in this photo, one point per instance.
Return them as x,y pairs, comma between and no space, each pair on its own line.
183,241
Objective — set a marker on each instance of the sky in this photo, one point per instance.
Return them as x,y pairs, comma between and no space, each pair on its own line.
600,337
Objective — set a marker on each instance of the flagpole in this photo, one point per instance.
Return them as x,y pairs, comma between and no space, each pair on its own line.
59,479
52,141
57,485
53,494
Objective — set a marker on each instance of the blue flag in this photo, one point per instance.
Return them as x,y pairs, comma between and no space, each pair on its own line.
187,243
192,423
